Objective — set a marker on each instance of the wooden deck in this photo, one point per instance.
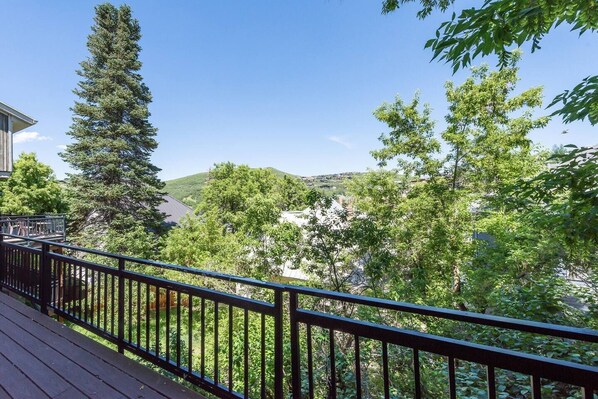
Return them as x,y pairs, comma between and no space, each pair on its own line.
41,358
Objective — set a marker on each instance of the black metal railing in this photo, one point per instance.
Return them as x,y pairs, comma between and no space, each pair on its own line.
236,337
38,226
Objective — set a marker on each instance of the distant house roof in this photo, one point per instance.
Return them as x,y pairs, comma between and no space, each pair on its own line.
174,209
20,120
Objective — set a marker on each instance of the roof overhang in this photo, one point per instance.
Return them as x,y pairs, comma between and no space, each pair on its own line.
20,120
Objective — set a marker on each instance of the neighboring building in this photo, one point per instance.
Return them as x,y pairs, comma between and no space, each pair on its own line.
174,209
11,121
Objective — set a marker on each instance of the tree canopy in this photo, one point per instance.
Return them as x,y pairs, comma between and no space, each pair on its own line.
236,226
566,192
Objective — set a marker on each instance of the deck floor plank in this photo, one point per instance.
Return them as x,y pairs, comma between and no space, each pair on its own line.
47,379
16,384
4,394
111,376
102,372
51,355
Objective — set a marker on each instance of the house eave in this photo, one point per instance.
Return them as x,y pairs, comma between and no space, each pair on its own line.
20,120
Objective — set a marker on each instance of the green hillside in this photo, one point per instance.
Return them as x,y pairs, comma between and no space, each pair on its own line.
188,188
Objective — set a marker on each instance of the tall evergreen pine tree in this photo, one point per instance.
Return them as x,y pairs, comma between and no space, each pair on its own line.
116,187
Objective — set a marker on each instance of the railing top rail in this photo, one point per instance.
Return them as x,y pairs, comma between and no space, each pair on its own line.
159,281
576,333
582,334
48,216
189,270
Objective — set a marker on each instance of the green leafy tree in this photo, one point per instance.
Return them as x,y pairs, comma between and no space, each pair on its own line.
330,252
248,199
201,242
499,27
236,227
431,204
564,199
116,186
32,189
293,192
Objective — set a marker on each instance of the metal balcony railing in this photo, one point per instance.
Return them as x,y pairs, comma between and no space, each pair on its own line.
48,227
236,337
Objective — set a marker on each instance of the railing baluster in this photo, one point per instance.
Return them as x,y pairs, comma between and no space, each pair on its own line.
587,392
491,382
178,328
138,302
121,305
10,271
99,304
203,338
216,342
130,311
16,255
23,275
64,286
386,377
112,312
357,369
46,278
332,381
80,289
452,382
87,295
13,259
263,357
190,340
536,387
295,350
416,374
278,345
92,301
246,353
157,321
27,289
147,317
230,348
2,260
69,289
167,334
105,301
58,301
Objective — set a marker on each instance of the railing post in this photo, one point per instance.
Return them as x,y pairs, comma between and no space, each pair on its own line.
295,353
121,306
278,345
63,227
45,279
2,261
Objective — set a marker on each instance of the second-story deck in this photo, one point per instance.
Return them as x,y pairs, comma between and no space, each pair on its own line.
43,227
235,337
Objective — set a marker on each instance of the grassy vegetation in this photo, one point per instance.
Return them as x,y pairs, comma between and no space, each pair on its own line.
188,187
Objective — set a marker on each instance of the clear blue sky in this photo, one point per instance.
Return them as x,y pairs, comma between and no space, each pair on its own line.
288,84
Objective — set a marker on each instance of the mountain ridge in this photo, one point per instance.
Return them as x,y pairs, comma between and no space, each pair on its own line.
188,188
